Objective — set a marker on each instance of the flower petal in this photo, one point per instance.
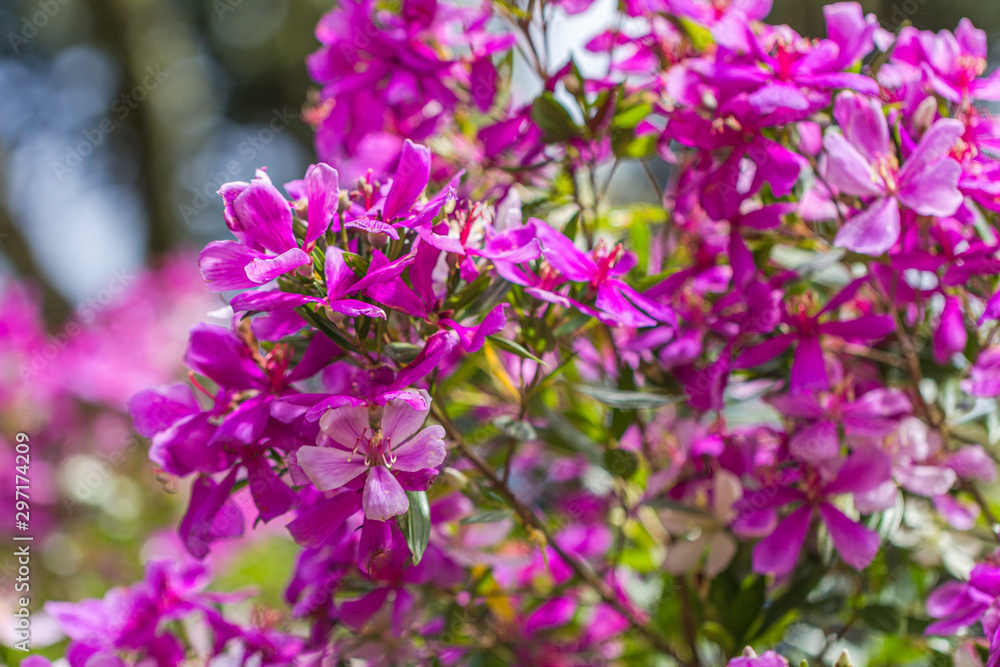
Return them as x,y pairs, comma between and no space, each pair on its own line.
329,468
872,231
323,196
409,181
265,270
347,423
857,545
383,497
847,170
778,552
400,420
224,265
808,368
314,525
933,188
424,450
265,215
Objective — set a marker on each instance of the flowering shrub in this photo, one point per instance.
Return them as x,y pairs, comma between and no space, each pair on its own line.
507,420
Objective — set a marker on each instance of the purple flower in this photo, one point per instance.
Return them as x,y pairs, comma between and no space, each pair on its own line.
391,454
751,659
863,471
861,162
390,76
341,282
950,335
984,376
142,621
792,73
615,302
959,605
261,219
948,64
808,370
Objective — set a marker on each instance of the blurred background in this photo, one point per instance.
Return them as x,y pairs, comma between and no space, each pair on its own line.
120,118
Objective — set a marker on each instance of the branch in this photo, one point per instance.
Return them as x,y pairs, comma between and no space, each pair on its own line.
16,248
528,516
117,27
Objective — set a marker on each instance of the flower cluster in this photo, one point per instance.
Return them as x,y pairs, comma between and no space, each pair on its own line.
63,391
507,419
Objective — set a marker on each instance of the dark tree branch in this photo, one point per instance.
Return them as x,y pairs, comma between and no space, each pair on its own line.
55,308
114,27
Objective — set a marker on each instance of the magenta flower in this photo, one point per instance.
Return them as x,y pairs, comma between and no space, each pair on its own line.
390,76
792,73
751,659
616,303
860,162
984,376
391,455
950,336
738,125
341,283
141,622
948,64
261,219
959,605
808,370
863,471
876,413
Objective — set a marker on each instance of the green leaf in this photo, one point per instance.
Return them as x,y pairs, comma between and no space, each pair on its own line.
357,263
625,143
881,617
616,398
489,516
571,325
515,428
320,321
416,524
640,233
515,348
718,634
490,297
563,432
573,226
553,119
745,608
471,292
404,353
662,502
700,36
621,462
807,577
630,116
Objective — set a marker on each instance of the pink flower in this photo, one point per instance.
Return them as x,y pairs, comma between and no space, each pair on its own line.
863,471
389,453
860,162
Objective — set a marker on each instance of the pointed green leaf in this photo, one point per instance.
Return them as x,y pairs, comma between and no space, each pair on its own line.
416,524
515,348
634,400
